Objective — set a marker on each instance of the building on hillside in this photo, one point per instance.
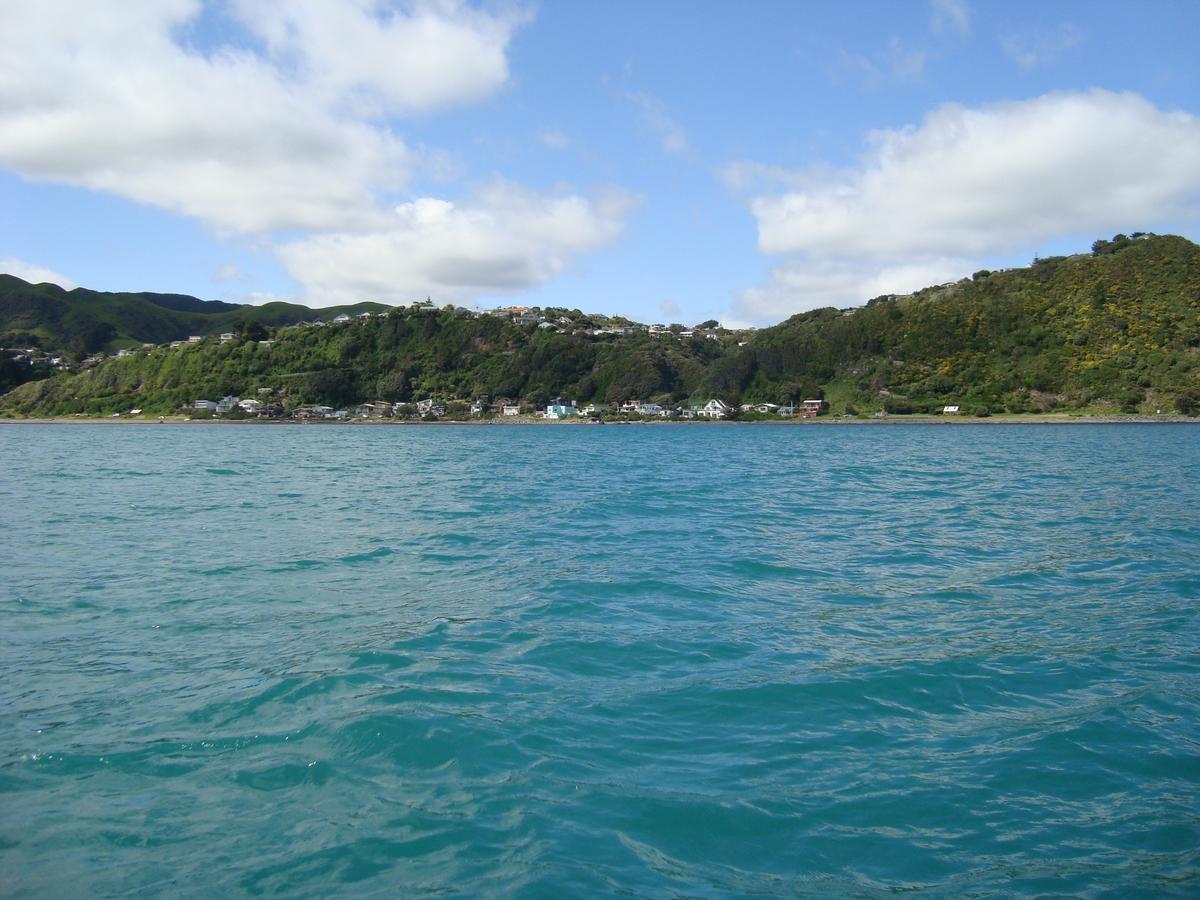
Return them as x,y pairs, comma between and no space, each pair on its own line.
950,410
250,407
209,405
226,404
227,336
510,409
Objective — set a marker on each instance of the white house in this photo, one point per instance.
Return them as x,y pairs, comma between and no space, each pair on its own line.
714,409
195,338
431,406
205,404
227,336
226,404
251,407
510,409
949,410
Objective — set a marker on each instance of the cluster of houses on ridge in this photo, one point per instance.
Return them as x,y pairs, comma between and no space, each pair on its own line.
558,408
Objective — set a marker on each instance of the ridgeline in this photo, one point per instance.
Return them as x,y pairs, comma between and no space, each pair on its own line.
1115,330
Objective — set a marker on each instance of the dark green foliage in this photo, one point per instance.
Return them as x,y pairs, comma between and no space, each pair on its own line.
82,321
1110,331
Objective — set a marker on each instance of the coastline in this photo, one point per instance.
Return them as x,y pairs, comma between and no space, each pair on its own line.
824,421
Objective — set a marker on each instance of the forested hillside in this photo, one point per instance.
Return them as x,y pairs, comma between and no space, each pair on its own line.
1115,330
82,321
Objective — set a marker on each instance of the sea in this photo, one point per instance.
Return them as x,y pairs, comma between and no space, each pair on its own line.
653,661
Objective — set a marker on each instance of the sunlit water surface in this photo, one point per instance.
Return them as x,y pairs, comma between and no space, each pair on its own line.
551,661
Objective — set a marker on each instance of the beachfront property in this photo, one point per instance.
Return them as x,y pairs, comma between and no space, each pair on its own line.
250,406
377,410
226,405
950,410
713,409
209,405
432,407
510,409
763,408
559,408
810,409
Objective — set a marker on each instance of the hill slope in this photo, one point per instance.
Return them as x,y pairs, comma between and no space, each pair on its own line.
1118,327
81,321
1115,330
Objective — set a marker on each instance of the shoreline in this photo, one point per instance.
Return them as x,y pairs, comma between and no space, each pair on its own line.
1044,419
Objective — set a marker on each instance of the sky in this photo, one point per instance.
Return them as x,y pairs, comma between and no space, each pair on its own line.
665,161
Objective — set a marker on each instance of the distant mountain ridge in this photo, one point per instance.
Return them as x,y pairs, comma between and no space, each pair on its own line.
85,321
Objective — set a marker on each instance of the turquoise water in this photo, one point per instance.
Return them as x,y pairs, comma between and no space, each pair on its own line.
554,661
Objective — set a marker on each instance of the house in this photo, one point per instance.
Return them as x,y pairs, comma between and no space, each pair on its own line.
810,409
339,320
250,407
363,316
195,338
175,344
477,407
631,406
431,407
510,409
786,410
266,343
594,409
205,404
561,409
713,409
375,410
121,354
226,404
227,336
763,408
322,412
949,410
650,409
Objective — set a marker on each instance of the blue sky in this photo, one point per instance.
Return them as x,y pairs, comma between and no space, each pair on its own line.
665,161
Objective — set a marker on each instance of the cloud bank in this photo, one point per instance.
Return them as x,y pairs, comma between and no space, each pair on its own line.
929,201
505,239
285,125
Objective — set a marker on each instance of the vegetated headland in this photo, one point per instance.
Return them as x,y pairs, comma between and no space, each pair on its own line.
1110,333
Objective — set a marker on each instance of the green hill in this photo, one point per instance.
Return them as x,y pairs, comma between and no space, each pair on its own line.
82,321
1114,330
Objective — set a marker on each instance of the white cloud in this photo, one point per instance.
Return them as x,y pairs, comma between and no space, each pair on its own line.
799,285
670,134
35,274
105,96
1040,47
554,139
973,183
951,15
432,55
504,240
